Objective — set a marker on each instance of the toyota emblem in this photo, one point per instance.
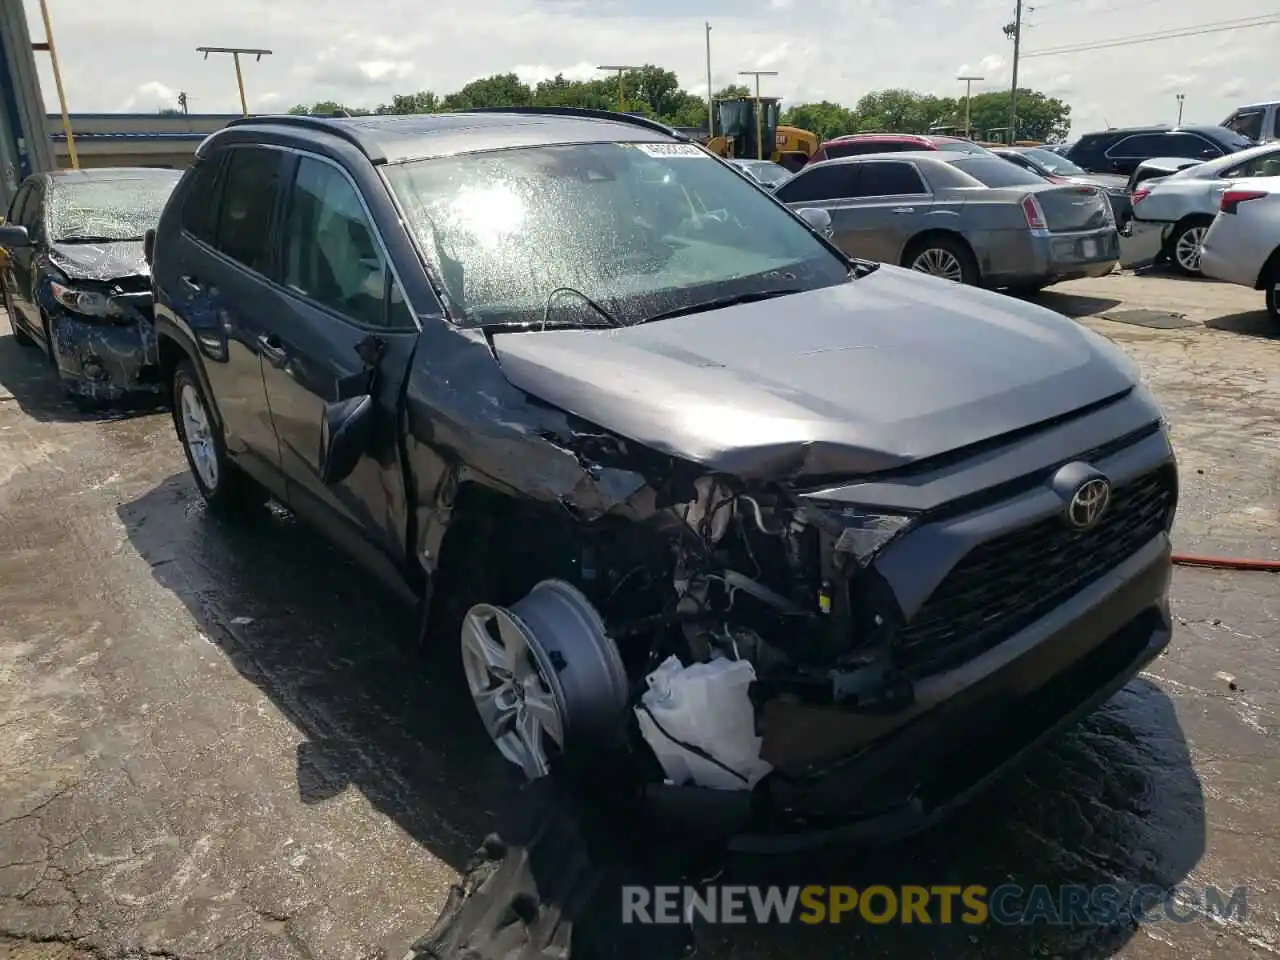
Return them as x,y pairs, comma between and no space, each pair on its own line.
1089,503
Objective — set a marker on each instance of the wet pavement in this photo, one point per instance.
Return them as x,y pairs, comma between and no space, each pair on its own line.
217,740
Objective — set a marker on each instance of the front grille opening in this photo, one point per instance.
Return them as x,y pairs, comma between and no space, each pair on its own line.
1006,584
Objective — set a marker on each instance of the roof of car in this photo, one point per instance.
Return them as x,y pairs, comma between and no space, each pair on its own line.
394,139
935,156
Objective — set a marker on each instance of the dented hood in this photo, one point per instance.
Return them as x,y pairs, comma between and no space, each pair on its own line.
100,261
865,376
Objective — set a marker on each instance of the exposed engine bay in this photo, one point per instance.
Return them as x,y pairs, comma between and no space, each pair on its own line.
704,610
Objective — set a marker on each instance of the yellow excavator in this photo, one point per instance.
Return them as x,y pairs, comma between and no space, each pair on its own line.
745,124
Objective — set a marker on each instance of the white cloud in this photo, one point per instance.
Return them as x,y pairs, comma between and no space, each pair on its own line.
834,49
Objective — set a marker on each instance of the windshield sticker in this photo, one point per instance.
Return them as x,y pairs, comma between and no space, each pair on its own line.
665,150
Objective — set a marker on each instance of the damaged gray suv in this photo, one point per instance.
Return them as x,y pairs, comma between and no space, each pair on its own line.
802,547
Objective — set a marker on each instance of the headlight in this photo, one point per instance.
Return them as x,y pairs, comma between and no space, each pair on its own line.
860,533
88,303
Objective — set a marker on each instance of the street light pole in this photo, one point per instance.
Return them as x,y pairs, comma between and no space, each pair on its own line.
235,55
759,109
622,96
57,82
711,115
968,97
1181,97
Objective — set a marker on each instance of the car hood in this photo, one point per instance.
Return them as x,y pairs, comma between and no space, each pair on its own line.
100,261
869,375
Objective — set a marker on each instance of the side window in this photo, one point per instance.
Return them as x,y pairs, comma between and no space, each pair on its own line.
886,178
1275,121
330,254
821,183
857,149
199,207
1247,123
1144,145
249,192
1188,145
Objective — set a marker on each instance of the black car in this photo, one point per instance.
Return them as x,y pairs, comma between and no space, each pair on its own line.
1056,168
77,283
615,417
1120,151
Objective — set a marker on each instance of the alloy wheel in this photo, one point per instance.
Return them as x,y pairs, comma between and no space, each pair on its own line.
939,263
1187,249
508,685
198,436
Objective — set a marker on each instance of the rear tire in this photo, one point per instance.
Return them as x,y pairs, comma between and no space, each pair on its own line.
223,485
1271,286
945,257
1184,245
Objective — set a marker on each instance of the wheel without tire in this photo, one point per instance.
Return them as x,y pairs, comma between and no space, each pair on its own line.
220,482
943,257
1184,245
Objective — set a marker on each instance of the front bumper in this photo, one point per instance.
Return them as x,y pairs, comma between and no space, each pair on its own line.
1040,259
990,713
103,360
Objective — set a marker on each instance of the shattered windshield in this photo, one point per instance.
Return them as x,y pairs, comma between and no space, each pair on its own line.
639,229
106,210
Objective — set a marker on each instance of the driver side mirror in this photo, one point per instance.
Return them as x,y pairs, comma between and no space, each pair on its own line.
149,245
818,219
14,235
345,434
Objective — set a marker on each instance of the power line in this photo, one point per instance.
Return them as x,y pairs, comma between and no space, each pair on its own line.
1220,27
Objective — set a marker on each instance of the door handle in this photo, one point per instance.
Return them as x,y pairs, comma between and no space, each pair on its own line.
273,349
904,210
191,283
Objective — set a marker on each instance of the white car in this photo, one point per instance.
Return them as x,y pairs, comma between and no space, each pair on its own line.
1172,214
1243,245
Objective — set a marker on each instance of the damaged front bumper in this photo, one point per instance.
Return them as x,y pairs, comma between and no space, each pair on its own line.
105,359
969,725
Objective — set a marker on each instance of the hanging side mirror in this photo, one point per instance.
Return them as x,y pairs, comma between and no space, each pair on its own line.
818,219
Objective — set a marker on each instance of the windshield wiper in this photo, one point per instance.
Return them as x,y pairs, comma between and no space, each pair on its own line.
84,238
719,303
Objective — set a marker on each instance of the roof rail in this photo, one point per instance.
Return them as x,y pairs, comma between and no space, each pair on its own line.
585,113
306,120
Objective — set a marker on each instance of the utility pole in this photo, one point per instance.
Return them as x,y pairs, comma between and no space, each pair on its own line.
182,102
1180,97
711,110
622,94
968,97
759,108
57,82
235,55
1014,30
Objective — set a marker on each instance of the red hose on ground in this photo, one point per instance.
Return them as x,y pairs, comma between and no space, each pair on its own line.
1226,563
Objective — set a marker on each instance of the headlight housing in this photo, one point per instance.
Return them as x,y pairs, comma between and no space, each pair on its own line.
860,533
87,303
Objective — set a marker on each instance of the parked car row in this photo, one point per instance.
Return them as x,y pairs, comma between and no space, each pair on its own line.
637,436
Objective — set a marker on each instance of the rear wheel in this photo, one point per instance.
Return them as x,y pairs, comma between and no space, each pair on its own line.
1185,243
944,257
221,483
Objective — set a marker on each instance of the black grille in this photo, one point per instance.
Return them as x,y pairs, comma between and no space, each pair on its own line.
1008,583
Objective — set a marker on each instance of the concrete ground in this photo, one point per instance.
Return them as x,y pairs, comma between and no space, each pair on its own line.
216,741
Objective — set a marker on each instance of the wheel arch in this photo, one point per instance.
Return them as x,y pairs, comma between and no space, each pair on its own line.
172,349
917,240
1270,265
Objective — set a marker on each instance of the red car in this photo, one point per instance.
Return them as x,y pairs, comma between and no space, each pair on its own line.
860,143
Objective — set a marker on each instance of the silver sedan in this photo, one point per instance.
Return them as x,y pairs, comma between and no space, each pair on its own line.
972,219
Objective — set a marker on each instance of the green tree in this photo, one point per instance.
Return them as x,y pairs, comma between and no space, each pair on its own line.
731,92
424,101
826,119
499,90
1040,117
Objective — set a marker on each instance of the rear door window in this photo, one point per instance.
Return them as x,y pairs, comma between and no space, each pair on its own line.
1188,145
1142,146
888,178
200,206
821,183
251,185
995,172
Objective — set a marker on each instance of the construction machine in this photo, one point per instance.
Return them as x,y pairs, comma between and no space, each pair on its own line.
746,127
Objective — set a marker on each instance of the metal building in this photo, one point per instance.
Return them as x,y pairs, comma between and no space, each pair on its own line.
24,137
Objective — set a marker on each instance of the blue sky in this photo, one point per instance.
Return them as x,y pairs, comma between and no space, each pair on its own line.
135,55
